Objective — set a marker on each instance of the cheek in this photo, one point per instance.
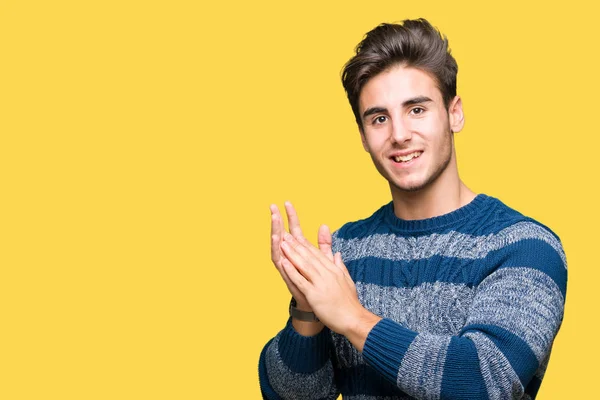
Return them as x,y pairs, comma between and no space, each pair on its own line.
373,141
437,131
365,144
426,125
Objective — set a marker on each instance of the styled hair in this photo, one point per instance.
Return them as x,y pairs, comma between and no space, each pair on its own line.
413,43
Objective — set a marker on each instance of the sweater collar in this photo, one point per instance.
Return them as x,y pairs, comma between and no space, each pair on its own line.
480,202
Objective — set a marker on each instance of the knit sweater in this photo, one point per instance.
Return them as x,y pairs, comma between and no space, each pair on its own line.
471,302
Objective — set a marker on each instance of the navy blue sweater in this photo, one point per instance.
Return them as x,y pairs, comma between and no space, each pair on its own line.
471,302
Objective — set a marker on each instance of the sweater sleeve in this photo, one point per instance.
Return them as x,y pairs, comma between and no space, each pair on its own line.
504,344
293,366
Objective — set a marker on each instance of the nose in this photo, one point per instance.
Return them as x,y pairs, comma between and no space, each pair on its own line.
400,132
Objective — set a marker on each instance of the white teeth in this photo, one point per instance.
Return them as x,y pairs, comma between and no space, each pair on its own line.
407,157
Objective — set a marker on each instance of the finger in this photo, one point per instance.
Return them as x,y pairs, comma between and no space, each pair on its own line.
318,257
293,221
340,264
295,292
337,258
295,277
276,221
276,250
276,233
324,240
301,257
323,253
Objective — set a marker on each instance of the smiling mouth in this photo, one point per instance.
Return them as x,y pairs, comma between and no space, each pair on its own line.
407,158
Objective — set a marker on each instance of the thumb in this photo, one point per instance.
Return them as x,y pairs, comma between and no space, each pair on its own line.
337,259
324,239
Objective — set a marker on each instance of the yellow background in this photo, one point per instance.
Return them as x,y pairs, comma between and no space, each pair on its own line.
143,141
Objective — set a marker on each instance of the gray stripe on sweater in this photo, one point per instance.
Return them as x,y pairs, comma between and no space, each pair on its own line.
346,354
500,378
451,244
439,308
367,397
295,385
533,308
541,371
420,373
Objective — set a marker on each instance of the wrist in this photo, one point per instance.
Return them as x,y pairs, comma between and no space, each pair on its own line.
301,313
304,321
305,328
303,306
360,326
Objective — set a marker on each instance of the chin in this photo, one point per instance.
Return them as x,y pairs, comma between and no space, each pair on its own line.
406,185
413,185
411,188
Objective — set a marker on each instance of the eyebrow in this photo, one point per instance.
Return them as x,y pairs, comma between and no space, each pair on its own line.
405,103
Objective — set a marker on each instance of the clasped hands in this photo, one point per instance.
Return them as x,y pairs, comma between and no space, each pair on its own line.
318,279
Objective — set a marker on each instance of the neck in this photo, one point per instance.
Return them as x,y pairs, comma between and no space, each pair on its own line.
446,194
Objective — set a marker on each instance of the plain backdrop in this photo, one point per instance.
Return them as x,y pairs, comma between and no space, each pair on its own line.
142,142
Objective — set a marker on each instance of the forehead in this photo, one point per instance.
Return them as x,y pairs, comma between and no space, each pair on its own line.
395,85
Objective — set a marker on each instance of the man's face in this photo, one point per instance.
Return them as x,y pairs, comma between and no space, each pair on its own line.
407,130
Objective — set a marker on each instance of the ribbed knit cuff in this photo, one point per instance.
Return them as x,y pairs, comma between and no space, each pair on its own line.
265,386
305,354
385,347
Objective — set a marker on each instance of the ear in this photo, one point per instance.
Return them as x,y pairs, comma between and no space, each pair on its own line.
456,115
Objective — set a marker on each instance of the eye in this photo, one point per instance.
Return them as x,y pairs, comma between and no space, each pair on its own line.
380,120
417,111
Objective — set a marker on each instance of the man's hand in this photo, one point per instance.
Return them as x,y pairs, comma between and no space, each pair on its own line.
277,233
328,287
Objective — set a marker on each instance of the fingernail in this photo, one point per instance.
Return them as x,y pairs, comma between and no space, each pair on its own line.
287,236
285,246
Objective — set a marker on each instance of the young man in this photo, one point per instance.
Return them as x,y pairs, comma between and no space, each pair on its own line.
441,293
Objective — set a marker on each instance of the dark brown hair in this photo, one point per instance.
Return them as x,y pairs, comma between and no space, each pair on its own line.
413,43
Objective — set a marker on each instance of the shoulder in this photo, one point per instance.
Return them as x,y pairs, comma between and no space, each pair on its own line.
360,229
518,241
506,226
